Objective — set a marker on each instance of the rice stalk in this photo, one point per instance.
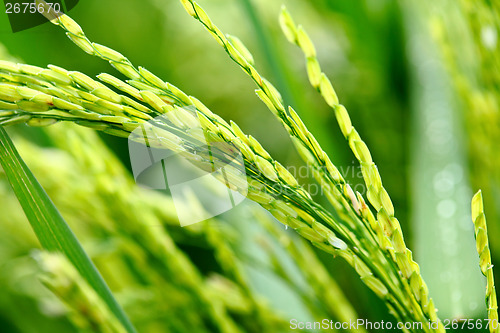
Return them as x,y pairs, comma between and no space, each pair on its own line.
483,249
97,193
376,193
41,97
295,217
312,153
338,190
278,207
266,171
83,147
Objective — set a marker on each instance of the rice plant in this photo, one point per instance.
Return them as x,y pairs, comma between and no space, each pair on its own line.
146,109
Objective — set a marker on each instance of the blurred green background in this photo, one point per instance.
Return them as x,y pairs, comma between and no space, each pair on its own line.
422,89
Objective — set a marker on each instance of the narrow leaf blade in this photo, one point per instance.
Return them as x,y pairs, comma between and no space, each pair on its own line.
49,226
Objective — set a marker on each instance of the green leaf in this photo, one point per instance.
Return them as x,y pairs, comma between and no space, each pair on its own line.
49,226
